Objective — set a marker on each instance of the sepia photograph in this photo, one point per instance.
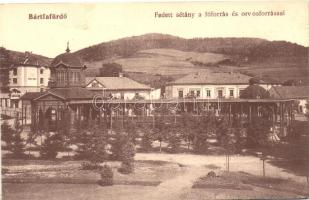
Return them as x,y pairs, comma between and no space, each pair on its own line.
154,100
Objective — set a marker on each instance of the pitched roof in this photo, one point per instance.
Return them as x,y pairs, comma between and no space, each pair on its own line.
118,83
31,60
31,95
254,92
215,78
289,92
67,59
74,93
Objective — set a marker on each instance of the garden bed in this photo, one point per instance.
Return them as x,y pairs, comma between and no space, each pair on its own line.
146,173
245,181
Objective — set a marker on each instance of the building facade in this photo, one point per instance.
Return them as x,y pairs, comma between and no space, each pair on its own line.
28,76
118,87
210,85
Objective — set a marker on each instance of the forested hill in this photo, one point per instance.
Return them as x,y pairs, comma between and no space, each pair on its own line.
252,48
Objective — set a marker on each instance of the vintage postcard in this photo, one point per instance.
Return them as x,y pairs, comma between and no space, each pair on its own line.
149,100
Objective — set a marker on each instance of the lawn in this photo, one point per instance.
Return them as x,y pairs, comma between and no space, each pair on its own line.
73,191
146,172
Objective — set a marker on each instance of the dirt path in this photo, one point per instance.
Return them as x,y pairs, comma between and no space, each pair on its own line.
249,164
174,188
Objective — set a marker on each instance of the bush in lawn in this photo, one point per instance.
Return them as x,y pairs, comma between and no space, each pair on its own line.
90,166
51,146
127,158
106,176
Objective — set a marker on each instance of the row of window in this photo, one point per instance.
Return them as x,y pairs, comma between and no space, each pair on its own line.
62,77
197,93
15,80
15,71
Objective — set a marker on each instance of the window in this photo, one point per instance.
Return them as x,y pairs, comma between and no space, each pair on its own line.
15,80
15,71
180,93
231,93
41,71
41,80
94,84
241,91
208,93
198,93
220,93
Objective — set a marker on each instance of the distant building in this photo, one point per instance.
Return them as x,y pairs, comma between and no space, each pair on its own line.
210,85
118,87
29,75
299,93
67,71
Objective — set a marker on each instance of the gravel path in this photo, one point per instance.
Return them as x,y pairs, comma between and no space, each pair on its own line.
249,164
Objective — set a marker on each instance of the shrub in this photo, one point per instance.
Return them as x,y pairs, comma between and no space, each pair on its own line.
51,146
126,167
106,176
90,166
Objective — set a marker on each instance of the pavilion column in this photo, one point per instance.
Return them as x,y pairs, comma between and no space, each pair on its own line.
241,113
250,113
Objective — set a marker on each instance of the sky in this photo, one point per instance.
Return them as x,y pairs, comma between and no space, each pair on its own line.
90,24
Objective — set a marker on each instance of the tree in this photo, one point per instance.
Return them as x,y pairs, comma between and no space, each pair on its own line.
92,141
186,123
127,158
257,132
159,131
7,134
174,137
64,129
17,147
110,70
5,63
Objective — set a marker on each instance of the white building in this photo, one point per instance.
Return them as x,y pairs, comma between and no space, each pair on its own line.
119,87
27,76
210,85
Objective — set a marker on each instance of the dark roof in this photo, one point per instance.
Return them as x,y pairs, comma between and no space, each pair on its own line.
215,78
254,92
31,60
68,59
74,93
117,83
289,92
31,95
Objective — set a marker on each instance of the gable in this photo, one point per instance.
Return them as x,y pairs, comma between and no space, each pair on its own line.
61,65
95,84
49,97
